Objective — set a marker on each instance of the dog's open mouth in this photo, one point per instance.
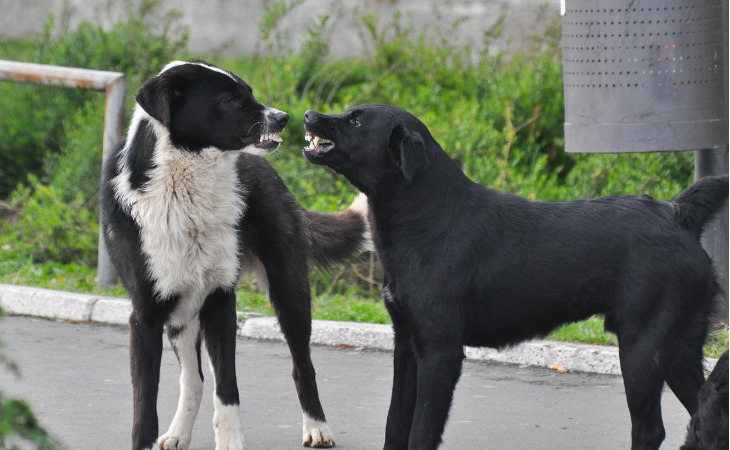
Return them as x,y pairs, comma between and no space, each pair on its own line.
317,145
269,141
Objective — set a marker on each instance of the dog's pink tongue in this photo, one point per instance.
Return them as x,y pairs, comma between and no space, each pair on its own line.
276,138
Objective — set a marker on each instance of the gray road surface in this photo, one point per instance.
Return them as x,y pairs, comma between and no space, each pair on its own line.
76,378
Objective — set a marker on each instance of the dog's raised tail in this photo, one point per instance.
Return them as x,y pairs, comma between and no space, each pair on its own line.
336,236
697,204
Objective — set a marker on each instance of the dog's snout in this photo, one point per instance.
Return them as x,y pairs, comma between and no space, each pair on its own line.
280,117
310,116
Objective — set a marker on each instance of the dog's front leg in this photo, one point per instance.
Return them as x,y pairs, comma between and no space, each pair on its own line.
403,396
185,340
218,323
145,357
439,369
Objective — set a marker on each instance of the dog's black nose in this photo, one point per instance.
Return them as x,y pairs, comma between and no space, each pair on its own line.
310,116
280,117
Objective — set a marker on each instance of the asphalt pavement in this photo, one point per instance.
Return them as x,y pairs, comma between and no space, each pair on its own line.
75,375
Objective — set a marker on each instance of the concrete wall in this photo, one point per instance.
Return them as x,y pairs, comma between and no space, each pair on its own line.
231,27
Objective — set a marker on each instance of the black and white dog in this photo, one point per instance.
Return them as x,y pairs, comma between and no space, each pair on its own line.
188,205
467,265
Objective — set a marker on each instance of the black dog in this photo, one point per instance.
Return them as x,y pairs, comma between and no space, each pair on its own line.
708,429
187,207
467,265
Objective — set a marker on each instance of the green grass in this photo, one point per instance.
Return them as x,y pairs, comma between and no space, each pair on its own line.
63,277
331,302
717,343
589,331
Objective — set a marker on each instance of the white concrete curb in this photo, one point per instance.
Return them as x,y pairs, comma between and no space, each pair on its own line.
556,355
20,300
326,332
27,301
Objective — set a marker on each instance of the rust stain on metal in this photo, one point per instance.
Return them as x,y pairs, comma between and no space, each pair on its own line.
68,77
53,80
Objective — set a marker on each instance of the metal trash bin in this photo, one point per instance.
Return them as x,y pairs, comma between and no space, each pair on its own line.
644,75
651,75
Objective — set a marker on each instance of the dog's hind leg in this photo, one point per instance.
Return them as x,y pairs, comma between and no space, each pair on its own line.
218,325
289,294
686,377
185,340
643,383
686,374
145,357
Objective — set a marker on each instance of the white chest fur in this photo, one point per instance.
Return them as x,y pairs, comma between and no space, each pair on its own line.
187,214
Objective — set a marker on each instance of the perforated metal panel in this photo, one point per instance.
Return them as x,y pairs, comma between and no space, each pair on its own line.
644,75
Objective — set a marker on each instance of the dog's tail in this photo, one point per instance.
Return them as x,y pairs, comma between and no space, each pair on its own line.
336,236
697,204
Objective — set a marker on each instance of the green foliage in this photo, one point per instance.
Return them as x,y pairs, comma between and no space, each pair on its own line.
349,307
19,425
350,304
717,342
37,120
49,228
589,331
71,277
81,157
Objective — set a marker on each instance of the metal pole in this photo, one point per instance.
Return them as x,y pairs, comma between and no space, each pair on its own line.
715,162
114,84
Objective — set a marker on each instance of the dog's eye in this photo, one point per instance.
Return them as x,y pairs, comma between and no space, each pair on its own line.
230,101
354,122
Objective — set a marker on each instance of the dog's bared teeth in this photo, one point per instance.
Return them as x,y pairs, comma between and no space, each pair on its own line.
311,144
316,140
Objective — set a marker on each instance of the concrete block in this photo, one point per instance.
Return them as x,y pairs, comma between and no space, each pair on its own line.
26,301
114,311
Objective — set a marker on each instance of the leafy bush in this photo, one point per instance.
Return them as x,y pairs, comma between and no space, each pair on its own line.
19,424
36,123
81,157
50,229
50,146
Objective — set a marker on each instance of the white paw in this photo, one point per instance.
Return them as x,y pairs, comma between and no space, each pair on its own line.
168,442
228,427
230,443
316,434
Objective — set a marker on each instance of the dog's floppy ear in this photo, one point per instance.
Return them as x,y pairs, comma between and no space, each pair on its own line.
408,151
155,97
